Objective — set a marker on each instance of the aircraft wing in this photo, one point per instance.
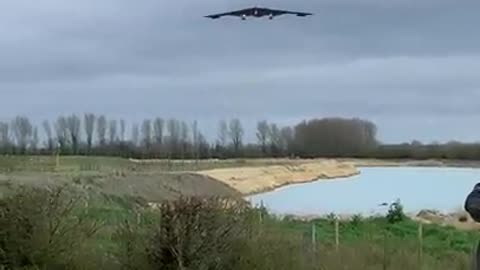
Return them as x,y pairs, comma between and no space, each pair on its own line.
231,13
276,12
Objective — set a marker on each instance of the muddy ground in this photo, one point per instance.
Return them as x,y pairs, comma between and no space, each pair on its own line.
151,187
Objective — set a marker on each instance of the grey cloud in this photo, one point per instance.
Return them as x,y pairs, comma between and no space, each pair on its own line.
399,62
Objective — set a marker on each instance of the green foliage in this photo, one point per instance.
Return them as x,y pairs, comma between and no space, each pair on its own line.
331,217
208,233
356,220
191,233
131,250
395,212
42,228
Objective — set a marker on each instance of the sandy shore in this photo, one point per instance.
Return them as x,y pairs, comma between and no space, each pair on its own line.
411,163
257,179
251,176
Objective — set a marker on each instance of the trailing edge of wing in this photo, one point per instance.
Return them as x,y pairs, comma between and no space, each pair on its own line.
216,16
302,14
212,16
231,13
280,12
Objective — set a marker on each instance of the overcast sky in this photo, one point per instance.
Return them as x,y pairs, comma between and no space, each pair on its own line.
412,68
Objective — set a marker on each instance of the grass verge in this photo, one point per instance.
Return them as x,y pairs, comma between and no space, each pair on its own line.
56,228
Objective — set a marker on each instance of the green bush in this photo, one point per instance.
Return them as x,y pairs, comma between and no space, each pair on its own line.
192,233
52,229
395,212
42,228
356,220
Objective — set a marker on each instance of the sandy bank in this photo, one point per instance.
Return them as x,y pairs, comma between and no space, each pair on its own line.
251,180
411,163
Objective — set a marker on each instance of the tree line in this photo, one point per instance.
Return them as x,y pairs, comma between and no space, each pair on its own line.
91,134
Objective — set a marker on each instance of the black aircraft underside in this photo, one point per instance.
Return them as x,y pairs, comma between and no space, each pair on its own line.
258,12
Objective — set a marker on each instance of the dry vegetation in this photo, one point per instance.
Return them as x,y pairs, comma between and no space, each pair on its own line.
56,229
93,213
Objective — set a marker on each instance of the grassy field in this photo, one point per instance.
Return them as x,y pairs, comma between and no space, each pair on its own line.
116,233
170,177
112,226
86,163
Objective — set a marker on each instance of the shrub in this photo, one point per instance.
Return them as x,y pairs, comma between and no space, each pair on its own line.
131,238
192,233
356,219
41,229
395,212
200,233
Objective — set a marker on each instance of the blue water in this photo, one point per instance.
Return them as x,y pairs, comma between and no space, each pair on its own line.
442,189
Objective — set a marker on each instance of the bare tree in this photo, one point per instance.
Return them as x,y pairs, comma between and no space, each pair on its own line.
275,139
222,133
35,139
22,129
73,126
48,132
195,136
147,133
263,130
158,130
61,130
112,131
173,127
203,146
236,134
101,129
287,138
89,122
122,129
184,133
4,135
135,134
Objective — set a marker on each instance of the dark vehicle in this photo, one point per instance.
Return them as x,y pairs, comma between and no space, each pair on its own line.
472,206
258,12
472,203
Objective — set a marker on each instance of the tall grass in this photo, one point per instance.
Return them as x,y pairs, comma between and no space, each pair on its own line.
39,163
56,229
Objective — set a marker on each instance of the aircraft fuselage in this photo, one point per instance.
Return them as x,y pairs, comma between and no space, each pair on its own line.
257,12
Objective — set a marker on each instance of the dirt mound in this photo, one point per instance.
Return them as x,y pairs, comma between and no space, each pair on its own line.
151,187
167,186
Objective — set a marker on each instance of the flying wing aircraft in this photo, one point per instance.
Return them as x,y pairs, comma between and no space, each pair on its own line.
257,12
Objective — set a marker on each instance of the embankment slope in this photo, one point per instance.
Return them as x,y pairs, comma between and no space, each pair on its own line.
151,187
257,179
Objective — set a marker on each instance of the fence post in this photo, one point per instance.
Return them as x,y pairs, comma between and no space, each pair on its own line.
420,245
337,234
261,211
384,263
475,256
57,160
314,236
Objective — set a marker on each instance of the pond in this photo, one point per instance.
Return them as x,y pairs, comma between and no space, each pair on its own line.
442,189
